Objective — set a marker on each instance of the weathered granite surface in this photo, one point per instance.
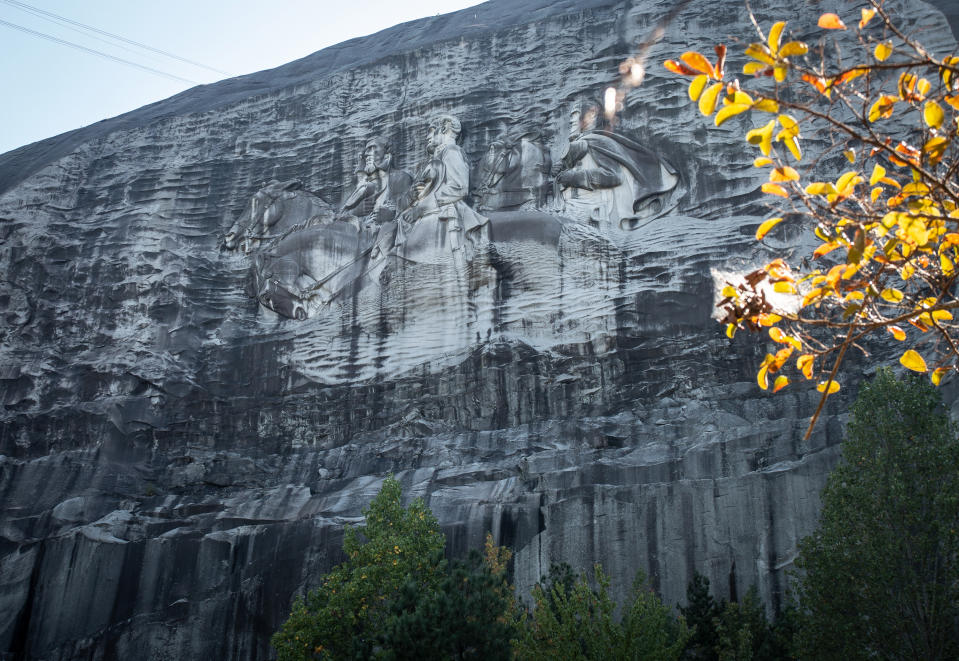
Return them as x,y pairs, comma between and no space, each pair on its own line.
176,461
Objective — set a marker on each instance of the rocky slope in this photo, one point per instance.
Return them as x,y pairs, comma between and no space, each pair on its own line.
176,461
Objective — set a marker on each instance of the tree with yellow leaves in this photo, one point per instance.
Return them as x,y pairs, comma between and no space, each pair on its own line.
887,228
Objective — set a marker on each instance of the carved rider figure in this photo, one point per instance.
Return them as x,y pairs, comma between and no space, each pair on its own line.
440,191
380,189
607,178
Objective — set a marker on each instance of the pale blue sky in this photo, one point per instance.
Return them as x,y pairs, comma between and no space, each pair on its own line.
48,88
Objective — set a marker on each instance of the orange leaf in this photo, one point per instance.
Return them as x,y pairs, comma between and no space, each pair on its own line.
805,364
781,382
824,249
775,189
698,62
719,69
897,332
867,15
679,67
831,22
784,173
818,82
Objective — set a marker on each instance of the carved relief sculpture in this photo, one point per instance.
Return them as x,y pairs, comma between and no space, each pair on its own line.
607,179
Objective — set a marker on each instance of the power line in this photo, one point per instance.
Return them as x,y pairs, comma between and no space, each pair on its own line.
37,11
86,33
58,40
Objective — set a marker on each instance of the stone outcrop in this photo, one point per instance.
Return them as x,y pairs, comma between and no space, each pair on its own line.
178,458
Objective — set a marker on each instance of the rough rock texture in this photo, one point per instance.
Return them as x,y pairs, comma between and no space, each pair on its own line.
176,462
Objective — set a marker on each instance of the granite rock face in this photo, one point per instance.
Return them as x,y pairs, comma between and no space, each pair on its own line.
177,459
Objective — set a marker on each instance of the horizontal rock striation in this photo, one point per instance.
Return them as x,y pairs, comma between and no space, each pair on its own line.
176,461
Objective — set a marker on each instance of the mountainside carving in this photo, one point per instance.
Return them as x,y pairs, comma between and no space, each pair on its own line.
226,317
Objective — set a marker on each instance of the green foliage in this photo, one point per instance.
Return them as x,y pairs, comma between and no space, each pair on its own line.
881,574
701,612
464,617
572,621
744,634
345,617
733,631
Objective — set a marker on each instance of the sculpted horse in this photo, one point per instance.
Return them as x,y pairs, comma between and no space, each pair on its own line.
273,211
514,175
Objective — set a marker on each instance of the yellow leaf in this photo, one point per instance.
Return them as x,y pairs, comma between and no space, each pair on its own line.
784,288
932,113
805,364
936,375
779,72
708,99
941,315
761,375
775,33
793,48
883,51
790,126
948,268
752,68
874,194
897,332
891,295
794,148
821,188
850,155
766,105
833,387
917,233
780,383
731,110
947,73
766,226
762,137
760,52
913,361
775,189
729,292
847,182
867,15
935,148
696,87
878,172
761,161
730,330
831,22
784,173
923,87
813,295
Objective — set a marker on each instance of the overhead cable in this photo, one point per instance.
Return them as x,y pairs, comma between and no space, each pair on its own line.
37,11
58,40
